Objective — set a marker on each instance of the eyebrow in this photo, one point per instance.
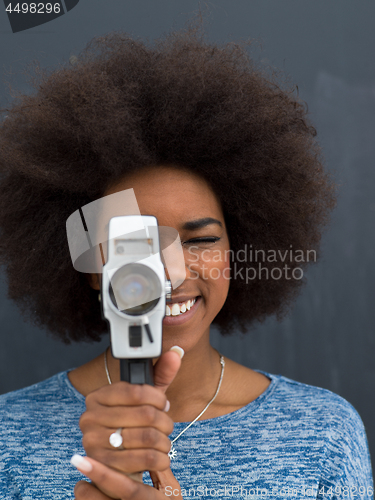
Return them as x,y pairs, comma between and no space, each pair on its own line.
199,223
195,224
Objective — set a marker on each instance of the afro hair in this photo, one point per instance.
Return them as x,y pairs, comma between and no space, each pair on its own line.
125,104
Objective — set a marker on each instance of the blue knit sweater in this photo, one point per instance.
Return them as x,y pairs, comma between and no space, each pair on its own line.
293,441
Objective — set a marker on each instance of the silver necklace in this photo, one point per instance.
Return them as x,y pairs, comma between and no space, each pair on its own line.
173,453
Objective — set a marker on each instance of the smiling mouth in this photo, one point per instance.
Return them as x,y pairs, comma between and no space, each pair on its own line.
179,308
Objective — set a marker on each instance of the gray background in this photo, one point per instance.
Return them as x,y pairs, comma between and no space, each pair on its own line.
327,48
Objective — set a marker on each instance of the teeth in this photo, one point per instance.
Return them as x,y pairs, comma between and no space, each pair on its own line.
176,309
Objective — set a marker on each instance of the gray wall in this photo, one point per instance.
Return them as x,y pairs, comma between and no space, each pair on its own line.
327,48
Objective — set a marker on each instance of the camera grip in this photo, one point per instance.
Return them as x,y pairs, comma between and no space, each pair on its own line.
137,371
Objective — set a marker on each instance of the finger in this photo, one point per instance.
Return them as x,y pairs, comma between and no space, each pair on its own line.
84,490
125,394
166,483
113,483
166,369
141,437
130,461
115,417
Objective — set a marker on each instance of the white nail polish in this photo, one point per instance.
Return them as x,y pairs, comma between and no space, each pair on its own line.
81,463
167,406
179,350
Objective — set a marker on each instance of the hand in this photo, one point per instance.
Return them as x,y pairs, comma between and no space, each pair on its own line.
117,486
138,410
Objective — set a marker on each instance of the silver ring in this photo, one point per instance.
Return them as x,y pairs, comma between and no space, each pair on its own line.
115,439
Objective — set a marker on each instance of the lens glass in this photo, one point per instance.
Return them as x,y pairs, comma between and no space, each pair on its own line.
135,289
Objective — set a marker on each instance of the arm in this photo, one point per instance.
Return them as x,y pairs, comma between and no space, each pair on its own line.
8,489
346,468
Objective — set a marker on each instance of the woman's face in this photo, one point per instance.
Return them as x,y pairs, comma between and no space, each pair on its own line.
185,202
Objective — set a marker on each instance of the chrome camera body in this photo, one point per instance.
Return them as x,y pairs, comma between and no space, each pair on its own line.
134,287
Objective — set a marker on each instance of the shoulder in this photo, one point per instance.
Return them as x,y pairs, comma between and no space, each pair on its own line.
281,397
328,420
44,390
300,400
39,401
313,397
38,416
39,432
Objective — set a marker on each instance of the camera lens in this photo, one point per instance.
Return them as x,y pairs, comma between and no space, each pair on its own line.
135,289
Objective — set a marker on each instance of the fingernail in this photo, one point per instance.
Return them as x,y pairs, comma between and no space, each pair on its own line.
179,350
167,406
81,463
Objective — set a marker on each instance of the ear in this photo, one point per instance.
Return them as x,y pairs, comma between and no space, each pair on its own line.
94,281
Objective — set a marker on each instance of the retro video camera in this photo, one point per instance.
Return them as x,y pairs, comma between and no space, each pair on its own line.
134,293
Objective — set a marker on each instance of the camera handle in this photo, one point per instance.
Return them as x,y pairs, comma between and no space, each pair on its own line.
137,371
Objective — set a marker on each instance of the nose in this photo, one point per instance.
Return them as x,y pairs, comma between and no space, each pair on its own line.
178,277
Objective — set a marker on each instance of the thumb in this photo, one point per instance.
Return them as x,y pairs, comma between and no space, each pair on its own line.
166,483
167,366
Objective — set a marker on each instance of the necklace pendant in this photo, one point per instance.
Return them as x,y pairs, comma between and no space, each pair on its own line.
172,453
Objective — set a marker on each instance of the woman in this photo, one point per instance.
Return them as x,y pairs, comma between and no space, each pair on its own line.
218,151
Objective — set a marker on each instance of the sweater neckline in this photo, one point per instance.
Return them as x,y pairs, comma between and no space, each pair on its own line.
250,407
